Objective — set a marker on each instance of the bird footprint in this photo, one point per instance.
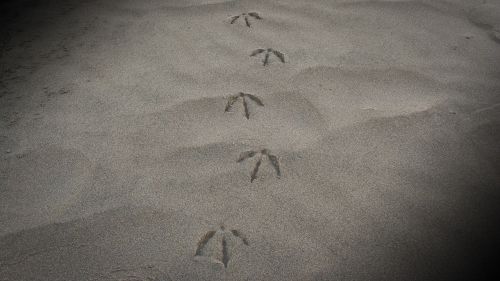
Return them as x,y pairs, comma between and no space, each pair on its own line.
263,153
243,96
222,253
267,55
246,17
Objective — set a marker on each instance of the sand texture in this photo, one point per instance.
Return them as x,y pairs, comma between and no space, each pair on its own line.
366,144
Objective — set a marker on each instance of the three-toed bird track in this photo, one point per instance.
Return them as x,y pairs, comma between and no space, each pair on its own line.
220,251
246,17
243,96
267,54
220,254
273,160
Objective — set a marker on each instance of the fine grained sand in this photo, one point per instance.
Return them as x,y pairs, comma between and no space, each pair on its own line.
117,156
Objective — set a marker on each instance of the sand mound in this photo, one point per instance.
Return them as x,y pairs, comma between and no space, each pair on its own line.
147,241
201,122
350,96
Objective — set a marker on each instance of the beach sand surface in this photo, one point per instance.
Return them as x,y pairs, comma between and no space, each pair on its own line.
117,155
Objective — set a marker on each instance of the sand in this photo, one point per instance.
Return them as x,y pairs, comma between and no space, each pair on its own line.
117,156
